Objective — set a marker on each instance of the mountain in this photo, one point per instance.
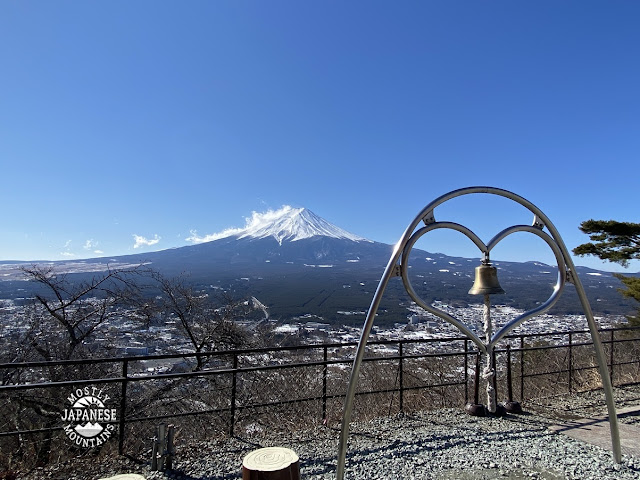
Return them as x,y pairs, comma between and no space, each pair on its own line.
291,224
297,263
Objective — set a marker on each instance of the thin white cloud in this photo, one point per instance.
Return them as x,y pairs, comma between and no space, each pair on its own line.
257,220
141,241
92,245
67,247
195,238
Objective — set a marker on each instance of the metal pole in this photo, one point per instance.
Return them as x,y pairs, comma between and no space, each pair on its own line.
466,371
476,386
521,368
570,362
324,385
510,405
602,363
611,356
357,361
123,406
400,366
509,386
233,396
495,380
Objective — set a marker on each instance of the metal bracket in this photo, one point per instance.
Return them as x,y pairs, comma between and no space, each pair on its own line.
569,275
537,222
429,218
397,271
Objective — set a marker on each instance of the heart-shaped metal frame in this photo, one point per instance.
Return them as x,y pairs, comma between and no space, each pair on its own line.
536,229
398,266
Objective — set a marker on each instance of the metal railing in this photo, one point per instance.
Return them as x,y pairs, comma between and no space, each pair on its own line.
407,359
626,336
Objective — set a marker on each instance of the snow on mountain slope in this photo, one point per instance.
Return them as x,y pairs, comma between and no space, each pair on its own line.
286,224
294,224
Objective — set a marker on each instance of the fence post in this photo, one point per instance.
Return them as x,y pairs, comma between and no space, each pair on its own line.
509,386
476,383
233,395
401,353
521,368
611,357
324,385
123,406
495,377
466,371
570,362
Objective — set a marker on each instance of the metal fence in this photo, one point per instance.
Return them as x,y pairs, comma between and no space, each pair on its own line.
238,386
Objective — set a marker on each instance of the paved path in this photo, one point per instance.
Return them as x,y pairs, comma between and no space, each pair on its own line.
596,431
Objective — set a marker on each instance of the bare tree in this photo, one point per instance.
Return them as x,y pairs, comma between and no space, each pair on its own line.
66,312
209,324
64,319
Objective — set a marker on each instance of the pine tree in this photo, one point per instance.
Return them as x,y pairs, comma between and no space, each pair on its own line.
617,242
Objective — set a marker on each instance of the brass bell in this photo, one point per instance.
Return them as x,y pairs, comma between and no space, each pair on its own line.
486,282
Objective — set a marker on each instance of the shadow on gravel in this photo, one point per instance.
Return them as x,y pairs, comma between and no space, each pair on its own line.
419,451
494,473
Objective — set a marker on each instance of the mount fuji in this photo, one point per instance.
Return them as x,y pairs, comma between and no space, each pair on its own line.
292,260
297,263
288,236
288,224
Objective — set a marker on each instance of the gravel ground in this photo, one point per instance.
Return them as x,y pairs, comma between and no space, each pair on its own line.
588,404
444,444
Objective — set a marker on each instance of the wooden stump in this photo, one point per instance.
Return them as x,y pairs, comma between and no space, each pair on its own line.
271,463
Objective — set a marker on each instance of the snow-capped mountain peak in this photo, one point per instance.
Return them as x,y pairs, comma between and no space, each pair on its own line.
285,224
293,224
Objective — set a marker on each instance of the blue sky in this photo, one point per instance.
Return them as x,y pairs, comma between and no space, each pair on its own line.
125,122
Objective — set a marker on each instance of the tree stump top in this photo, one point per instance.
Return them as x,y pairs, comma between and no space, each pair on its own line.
271,459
